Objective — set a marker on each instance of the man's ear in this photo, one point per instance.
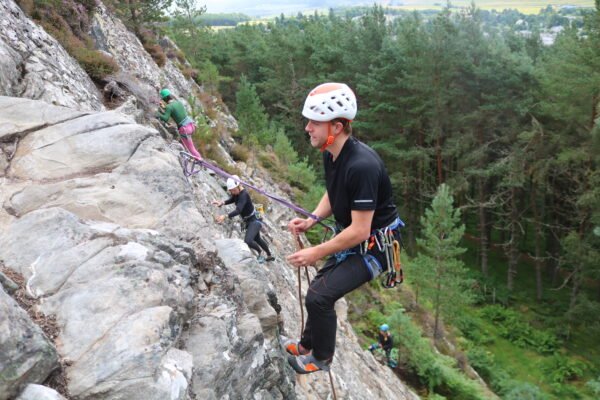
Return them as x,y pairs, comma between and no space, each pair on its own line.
338,128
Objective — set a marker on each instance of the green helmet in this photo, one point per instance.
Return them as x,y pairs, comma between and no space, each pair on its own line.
164,93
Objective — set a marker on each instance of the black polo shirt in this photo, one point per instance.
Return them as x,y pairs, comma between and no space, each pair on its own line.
357,180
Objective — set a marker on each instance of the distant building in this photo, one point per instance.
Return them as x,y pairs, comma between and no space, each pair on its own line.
547,38
521,25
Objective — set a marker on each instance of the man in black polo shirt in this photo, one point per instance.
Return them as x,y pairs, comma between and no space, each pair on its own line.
359,195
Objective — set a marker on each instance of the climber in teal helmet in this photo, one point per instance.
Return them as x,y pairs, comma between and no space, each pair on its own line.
173,108
384,341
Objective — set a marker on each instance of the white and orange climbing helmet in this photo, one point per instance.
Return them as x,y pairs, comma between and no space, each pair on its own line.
329,101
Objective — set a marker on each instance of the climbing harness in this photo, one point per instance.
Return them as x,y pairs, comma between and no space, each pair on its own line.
191,166
388,242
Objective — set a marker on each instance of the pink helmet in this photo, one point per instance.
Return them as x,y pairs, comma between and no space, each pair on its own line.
330,101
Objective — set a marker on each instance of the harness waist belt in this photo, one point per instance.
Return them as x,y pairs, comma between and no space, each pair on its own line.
248,217
186,120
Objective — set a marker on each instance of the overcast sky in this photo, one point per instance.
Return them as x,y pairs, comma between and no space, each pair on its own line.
217,6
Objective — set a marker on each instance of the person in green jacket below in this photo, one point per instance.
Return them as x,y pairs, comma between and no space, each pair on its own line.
185,125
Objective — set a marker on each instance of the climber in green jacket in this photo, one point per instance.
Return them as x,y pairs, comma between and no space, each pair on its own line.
185,125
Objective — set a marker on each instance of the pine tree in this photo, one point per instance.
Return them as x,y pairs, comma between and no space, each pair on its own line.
188,33
250,113
440,274
137,13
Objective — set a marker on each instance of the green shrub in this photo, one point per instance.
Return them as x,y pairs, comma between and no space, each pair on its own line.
545,342
204,135
513,328
149,41
177,54
563,391
270,162
594,386
215,155
483,362
302,175
375,317
240,152
267,137
208,76
435,396
310,199
29,8
497,378
437,371
559,369
97,65
283,148
157,53
258,198
495,313
472,331
524,391
190,73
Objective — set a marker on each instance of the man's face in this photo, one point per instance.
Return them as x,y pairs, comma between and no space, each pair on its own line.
235,191
317,132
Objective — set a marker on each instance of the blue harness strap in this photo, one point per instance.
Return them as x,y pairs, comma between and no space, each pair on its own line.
373,265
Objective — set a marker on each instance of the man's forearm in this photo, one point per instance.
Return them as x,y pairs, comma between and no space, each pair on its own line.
323,209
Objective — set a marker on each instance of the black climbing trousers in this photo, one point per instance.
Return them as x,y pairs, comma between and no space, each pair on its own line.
253,239
332,282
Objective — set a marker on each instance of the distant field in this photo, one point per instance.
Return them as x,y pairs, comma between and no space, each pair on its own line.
524,6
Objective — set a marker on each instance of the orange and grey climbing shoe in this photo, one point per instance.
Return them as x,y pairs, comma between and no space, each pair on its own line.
308,363
292,346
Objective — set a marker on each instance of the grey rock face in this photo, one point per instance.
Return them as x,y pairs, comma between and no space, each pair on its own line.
39,392
119,299
139,74
19,116
96,142
230,342
7,284
27,356
34,65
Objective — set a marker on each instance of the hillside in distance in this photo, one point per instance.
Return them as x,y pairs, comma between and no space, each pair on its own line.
277,7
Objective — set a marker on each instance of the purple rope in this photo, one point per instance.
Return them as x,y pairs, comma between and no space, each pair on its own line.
224,174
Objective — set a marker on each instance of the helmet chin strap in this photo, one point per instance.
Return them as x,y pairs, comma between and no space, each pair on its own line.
330,138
